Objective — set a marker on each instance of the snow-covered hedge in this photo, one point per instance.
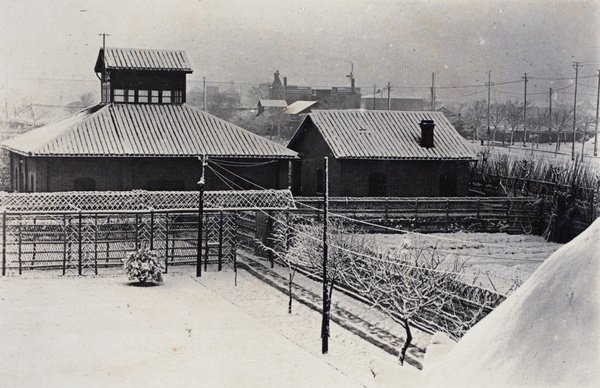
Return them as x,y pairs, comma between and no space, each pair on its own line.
144,266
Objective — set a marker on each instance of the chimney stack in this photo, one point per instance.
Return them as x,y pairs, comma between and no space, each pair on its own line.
427,127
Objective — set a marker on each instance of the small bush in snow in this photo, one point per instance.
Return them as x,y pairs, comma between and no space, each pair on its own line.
144,266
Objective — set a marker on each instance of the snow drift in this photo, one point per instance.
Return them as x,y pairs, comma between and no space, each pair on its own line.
545,334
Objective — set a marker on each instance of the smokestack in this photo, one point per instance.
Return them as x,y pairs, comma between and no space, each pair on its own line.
427,127
285,88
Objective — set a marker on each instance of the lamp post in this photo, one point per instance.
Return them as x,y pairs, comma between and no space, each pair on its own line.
200,223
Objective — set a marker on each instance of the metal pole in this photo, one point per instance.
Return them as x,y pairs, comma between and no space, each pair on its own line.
220,263
80,243
200,224
525,113
597,105
325,323
4,243
576,66
489,85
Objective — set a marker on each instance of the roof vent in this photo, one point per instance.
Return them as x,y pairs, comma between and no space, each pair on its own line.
427,127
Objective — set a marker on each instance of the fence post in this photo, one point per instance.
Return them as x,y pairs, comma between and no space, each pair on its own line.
166,242
79,237
4,242
206,248
20,243
64,244
151,229
220,266
96,243
137,232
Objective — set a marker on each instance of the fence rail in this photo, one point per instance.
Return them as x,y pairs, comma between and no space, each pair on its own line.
511,215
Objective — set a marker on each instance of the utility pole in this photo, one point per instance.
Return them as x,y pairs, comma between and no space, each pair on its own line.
389,88
326,311
432,92
576,66
489,86
597,104
200,216
374,93
525,113
550,117
204,91
104,88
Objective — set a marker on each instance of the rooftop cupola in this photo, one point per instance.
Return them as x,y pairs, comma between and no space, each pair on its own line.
138,76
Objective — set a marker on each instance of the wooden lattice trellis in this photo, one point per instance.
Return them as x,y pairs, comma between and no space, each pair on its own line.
81,232
145,200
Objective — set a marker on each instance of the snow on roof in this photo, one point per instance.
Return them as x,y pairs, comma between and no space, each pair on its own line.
147,130
299,106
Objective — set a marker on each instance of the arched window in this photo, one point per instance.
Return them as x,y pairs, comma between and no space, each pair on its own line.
84,184
377,185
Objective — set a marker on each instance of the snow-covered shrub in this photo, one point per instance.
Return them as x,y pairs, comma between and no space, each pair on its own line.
144,266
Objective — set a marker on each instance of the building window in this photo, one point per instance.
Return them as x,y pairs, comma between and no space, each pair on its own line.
143,96
177,97
130,95
155,97
119,95
166,96
84,184
377,185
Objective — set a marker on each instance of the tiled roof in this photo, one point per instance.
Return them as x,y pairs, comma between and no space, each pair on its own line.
141,59
353,134
144,130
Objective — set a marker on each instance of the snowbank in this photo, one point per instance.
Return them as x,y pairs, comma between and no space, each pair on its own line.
545,334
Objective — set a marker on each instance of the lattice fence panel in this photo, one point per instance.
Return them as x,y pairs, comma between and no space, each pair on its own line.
145,200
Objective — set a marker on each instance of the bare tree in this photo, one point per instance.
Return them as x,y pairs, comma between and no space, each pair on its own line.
475,115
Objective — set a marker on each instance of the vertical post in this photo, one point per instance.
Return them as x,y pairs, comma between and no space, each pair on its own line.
389,88
4,243
489,85
432,92
80,243
64,244
576,65
137,231
20,243
96,243
597,108
200,213
220,265
525,113
151,229
166,242
325,324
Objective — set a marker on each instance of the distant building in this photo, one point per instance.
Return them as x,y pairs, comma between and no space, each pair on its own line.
142,136
334,98
381,154
380,101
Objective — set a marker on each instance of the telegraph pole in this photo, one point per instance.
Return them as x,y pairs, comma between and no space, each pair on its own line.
597,104
550,116
389,88
489,86
525,113
576,66
200,216
326,311
432,92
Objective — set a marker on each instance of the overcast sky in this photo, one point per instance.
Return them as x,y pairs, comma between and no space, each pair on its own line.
312,42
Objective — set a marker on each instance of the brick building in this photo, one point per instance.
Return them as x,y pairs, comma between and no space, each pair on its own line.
143,135
382,154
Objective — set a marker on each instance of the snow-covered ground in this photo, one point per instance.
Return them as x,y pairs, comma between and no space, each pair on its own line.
103,332
496,261
546,334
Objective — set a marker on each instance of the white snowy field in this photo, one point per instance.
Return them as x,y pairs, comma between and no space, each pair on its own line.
103,332
496,261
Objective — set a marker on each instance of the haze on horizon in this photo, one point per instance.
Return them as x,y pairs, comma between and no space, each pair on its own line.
50,47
